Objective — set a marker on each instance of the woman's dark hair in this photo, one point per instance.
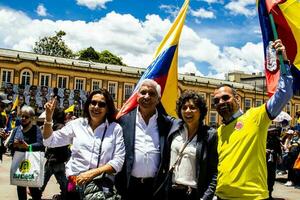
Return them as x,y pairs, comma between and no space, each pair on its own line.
198,101
111,109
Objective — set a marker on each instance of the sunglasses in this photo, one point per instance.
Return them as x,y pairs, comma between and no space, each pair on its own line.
25,116
100,104
225,97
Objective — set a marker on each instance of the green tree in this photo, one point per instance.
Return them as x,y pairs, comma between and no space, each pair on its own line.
109,58
89,54
53,46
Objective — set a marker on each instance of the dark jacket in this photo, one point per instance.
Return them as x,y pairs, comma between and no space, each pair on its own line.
33,136
206,159
128,123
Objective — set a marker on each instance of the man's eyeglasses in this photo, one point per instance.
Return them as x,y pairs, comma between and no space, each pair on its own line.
100,104
225,97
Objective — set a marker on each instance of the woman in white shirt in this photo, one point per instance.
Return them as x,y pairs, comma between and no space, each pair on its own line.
87,134
195,170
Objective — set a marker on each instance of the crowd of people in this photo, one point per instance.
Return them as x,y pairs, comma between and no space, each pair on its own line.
149,155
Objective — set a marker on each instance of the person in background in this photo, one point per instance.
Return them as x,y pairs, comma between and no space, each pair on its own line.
97,127
56,159
273,153
145,131
21,139
293,147
195,174
242,138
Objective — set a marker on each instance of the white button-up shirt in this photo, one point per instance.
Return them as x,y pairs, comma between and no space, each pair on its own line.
185,170
146,147
85,145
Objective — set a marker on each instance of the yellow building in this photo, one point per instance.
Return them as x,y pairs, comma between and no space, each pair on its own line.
32,69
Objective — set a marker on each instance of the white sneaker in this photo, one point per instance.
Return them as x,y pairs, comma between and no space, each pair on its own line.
289,183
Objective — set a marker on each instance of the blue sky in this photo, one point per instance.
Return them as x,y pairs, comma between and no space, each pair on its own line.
219,36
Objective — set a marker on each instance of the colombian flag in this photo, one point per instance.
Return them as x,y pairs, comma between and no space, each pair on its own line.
286,15
163,68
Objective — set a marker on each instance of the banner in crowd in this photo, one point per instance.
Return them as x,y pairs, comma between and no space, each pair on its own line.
163,68
286,14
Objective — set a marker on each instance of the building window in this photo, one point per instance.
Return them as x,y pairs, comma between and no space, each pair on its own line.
45,79
258,103
288,108
297,107
26,77
248,104
79,84
212,105
203,95
213,118
112,89
96,84
62,81
128,89
6,76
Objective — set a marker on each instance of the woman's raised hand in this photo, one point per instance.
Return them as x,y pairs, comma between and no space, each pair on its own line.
49,108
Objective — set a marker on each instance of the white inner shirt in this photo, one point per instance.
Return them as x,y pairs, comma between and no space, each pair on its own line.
146,147
185,170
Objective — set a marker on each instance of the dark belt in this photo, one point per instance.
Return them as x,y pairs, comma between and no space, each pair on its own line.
142,180
186,188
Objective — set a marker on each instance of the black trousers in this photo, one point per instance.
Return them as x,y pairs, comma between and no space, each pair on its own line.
36,193
140,189
183,193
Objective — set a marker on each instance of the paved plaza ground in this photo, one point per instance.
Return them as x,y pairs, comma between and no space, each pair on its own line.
9,192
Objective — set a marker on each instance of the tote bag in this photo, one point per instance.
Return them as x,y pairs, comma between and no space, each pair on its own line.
27,169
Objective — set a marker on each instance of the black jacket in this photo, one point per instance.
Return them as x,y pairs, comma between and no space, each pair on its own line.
206,159
128,123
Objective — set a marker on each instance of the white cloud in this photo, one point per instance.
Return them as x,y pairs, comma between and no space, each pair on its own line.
202,13
134,40
170,9
242,7
41,10
93,4
190,68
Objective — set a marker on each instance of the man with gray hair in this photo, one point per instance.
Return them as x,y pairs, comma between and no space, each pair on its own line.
145,130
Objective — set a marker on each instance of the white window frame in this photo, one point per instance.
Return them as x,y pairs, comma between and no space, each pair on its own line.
76,87
6,77
297,107
114,94
250,100
64,77
258,100
49,79
125,89
288,107
30,76
96,82
210,117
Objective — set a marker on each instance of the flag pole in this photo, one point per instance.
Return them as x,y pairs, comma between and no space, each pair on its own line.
275,34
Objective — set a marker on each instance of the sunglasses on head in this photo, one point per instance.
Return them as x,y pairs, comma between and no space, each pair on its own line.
100,104
225,97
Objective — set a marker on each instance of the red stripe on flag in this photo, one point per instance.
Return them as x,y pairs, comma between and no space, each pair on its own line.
285,33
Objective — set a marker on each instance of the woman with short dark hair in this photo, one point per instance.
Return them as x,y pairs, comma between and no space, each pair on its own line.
193,151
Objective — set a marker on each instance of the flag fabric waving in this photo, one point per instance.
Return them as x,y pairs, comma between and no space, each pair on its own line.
287,20
163,68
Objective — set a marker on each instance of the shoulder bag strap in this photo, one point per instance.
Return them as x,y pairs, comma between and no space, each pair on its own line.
170,171
100,148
